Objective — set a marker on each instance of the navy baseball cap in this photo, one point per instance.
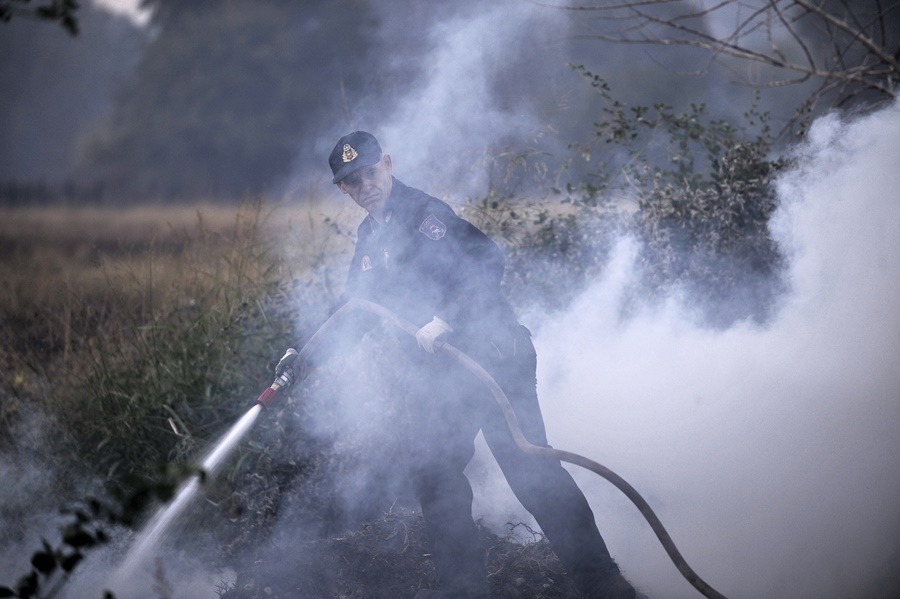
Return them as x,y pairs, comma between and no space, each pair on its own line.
354,151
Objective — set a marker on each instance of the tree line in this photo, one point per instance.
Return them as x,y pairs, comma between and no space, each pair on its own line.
218,100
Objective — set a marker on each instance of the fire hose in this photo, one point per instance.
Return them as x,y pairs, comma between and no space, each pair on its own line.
521,441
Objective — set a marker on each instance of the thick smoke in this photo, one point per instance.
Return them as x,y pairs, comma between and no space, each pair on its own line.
768,451
130,9
477,72
27,508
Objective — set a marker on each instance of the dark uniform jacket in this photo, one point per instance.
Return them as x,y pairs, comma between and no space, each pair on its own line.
425,261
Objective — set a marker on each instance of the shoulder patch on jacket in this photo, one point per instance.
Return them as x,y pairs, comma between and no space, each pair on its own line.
433,228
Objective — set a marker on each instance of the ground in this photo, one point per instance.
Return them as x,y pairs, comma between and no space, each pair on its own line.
388,559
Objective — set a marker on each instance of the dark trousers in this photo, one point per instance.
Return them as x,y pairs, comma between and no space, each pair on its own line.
455,407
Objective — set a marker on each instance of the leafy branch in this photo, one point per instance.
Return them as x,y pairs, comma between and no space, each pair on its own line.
62,11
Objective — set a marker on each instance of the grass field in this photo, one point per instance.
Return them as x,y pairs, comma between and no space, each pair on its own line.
123,326
58,262
120,324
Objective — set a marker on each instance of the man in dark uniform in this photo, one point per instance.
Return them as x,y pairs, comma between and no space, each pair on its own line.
416,257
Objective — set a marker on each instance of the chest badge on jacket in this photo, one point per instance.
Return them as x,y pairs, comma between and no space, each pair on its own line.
366,263
433,228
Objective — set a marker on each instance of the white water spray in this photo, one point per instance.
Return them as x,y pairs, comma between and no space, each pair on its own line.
157,528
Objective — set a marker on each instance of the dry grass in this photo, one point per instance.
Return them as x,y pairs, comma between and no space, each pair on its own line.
63,268
91,297
66,238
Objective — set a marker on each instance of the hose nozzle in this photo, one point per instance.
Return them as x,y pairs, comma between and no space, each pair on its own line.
288,371
271,392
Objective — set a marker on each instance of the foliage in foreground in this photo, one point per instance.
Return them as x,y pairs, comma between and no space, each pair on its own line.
51,564
157,358
160,388
85,528
61,11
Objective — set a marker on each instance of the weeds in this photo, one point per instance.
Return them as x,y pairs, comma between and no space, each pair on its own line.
142,343
138,346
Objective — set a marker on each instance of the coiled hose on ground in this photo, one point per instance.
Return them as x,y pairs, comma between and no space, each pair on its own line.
523,443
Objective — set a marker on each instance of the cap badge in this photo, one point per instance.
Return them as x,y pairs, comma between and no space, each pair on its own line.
349,153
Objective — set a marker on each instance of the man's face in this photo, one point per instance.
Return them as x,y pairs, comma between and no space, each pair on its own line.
370,186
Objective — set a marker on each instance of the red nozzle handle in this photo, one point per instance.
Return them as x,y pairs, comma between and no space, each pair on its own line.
269,395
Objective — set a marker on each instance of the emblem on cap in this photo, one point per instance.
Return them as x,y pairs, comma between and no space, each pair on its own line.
349,153
433,228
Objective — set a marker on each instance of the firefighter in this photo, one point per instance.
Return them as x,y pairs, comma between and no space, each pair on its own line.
416,257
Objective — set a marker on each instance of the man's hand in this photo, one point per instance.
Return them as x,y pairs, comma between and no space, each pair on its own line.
293,366
428,335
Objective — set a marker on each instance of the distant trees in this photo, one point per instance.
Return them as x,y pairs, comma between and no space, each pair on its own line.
53,88
229,98
226,94
849,50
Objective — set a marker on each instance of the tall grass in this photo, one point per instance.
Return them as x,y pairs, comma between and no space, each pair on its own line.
141,334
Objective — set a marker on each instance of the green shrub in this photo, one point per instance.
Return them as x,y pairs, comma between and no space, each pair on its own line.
694,190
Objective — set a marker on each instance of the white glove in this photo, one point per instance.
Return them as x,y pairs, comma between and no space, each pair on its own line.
428,335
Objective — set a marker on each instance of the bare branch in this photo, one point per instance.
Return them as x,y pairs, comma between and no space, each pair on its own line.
607,7
854,33
775,33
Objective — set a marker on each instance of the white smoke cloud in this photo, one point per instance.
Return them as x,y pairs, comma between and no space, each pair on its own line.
440,133
130,9
769,452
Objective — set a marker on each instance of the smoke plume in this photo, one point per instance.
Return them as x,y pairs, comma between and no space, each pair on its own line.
769,452
476,88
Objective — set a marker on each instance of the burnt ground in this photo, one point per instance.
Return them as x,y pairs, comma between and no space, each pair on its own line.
389,559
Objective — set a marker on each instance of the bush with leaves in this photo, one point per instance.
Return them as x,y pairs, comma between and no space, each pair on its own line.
694,190
52,564
84,529
62,11
553,248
